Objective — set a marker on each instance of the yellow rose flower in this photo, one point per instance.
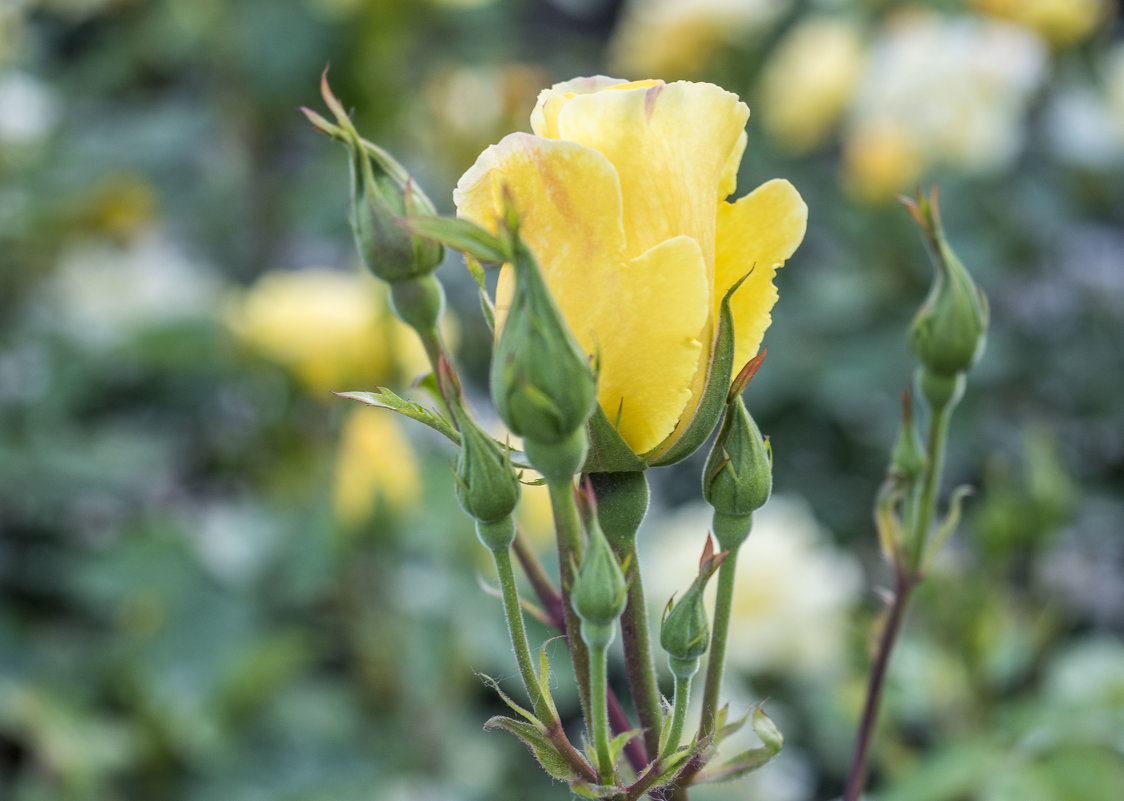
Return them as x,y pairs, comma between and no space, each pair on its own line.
622,194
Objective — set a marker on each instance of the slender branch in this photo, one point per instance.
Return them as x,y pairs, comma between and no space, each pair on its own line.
567,529
926,510
856,779
638,658
518,633
514,615
720,633
544,588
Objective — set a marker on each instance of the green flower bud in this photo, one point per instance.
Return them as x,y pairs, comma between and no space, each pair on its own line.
685,630
908,458
739,474
382,193
600,592
487,487
541,380
950,329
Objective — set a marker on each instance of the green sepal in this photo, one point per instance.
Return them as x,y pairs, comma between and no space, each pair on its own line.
544,680
383,398
535,738
710,408
723,729
495,687
487,308
608,452
467,237
947,526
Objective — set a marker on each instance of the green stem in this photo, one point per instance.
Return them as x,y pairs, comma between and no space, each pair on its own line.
720,632
567,530
678,715
598,660
543,710
518,633
927,505
942,394
638,658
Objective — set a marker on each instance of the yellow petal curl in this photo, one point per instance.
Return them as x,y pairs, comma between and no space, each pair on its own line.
759,232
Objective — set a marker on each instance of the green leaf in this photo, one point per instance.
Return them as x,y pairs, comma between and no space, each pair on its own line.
383,398
743,763
713,401
507,700
462,235
608,452
536,740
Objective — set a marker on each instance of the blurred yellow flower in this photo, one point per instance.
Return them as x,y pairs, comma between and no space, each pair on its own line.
819,62
376,463
879,159
622,193
332,329
676,38
1061,22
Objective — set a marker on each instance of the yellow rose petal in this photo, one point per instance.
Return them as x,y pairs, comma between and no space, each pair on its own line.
759,232
670,145
544,118
649,317
569,202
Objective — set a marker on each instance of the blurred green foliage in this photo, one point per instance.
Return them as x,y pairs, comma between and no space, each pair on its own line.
184,616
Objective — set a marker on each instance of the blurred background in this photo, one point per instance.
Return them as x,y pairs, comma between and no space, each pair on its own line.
220,583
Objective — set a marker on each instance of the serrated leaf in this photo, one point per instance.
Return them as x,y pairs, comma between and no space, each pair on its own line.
462,235
536,740
713,401
617,744
383,398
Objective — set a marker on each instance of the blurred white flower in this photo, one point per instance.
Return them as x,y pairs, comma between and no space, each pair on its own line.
1085,124
673,39
793,591
102,292
820,62
952,91
29,109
